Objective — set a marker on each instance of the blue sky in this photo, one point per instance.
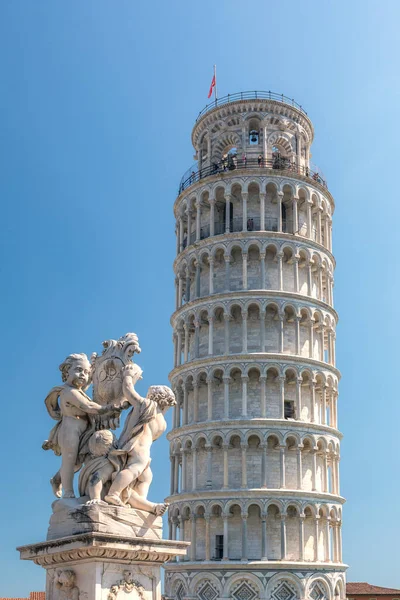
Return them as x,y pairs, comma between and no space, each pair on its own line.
97,104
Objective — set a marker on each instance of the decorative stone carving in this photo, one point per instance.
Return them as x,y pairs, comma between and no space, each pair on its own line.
283,591
65,584
127,584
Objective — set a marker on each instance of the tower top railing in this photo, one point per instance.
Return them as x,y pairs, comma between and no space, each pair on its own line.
233,163
250,96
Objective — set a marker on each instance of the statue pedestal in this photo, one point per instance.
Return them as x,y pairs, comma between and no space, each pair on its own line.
103,566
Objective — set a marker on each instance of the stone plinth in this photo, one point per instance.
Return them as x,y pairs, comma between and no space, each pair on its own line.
73,516
101,566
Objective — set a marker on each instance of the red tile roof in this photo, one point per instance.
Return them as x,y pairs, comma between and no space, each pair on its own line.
32,596
353,589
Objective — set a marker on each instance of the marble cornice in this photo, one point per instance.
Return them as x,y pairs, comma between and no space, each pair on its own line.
253,425
255,359
254,235
253,494
255,295
102,547
256,566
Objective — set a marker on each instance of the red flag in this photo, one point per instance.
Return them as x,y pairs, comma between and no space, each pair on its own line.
211,87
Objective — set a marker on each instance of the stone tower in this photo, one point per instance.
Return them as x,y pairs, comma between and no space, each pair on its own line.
255,443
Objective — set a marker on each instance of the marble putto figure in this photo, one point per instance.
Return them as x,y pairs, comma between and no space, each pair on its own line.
114,471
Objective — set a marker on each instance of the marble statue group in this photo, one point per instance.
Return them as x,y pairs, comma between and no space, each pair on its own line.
112,470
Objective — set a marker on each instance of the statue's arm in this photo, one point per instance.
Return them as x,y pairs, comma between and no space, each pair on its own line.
132,373
88,406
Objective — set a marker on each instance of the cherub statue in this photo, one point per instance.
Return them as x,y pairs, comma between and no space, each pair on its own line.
65,583
128,466
73,409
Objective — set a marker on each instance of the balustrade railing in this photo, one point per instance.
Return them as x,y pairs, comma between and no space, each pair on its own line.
232,163
251,95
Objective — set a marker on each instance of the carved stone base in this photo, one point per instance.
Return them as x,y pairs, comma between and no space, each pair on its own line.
97,566
72,516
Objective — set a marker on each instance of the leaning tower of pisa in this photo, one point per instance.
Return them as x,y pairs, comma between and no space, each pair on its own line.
255,443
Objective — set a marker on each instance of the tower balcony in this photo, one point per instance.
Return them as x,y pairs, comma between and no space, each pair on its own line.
232,163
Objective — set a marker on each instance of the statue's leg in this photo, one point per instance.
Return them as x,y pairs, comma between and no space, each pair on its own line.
96,482
125,478
70,433
138,497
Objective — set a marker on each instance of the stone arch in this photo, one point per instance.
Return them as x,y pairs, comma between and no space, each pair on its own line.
243,586
285,586
178,586
319,588
206,586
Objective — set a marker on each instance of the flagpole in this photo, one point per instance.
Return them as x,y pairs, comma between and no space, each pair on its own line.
215,87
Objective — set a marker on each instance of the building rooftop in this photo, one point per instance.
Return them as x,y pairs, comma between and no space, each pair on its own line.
32,596
357,588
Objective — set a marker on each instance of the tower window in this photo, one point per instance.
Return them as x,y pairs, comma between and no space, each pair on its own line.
219,547
289,409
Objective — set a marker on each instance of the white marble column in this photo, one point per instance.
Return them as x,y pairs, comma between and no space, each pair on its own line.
245,381
314,469
227,319
244,258
211,275
282,450
295,215
262,211
198,219
225,519
262,268
263,392
209,482
226,396
299,467
280,197
264,466
244,331
208,540
194,468
296,259
227,212
212,216
297,340
316,537
225,448
193,537
244,213
282,395
210,335
283,537
301,537
264,547
209,398
244,466
280,270
227,272
195,417
244,536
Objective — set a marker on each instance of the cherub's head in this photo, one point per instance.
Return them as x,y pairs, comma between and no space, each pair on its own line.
76,370
101,442
163,395
65,579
